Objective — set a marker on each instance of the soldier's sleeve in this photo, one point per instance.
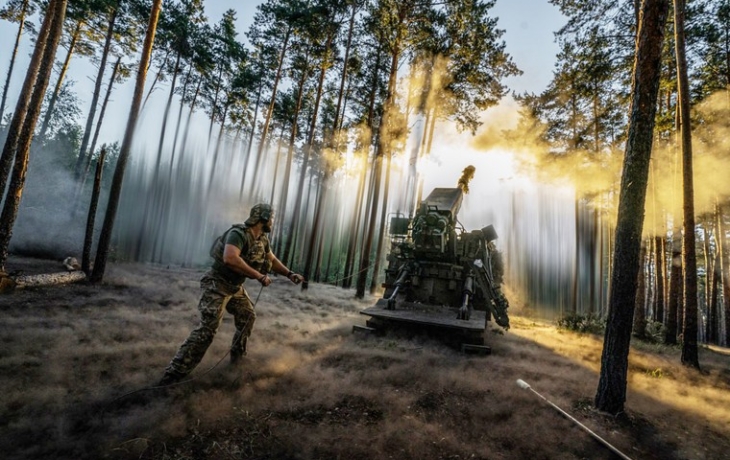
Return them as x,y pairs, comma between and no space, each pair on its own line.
236,238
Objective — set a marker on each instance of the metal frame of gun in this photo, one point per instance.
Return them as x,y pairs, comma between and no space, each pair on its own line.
496,301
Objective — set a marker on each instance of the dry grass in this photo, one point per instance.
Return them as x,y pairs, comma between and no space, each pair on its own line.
310,389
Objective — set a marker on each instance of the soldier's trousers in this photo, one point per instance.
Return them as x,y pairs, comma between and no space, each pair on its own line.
217,295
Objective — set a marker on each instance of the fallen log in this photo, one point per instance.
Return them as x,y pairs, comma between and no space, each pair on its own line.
9,283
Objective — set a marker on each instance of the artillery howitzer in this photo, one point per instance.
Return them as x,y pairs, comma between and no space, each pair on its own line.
439,276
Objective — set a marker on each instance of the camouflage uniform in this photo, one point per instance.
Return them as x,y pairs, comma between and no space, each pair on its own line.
223,288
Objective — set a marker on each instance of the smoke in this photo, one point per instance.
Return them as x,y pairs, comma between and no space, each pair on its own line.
51,223
597,175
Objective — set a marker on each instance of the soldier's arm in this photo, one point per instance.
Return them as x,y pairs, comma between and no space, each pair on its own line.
278,267
232,259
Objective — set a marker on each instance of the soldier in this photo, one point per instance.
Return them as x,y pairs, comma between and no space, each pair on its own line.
242,252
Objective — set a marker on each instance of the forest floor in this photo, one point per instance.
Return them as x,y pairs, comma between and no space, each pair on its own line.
311,389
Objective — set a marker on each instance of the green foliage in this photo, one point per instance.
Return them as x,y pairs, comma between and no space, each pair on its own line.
585,324
655,331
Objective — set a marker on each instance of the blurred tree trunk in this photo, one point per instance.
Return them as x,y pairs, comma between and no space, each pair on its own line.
689,329
675,290
180,113
61,77
382,147
611,392
158,75
104,244
270,111
713,322
45,52
91,216
659,245
287,255
21,26
709,281
640,309
354,229
574,305
15,126
725,271
99,122
381,229
95,95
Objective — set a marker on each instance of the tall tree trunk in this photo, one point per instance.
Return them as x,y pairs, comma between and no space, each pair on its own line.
216,152
659,275
186,132
99,121
91,217
714,310
308,153
277,161
48,42
250,142
102,251
709,280
61,78
725,262
611,392
21,26
311,253
381,229
287,172
95,94
12,137
354,229
156,199
675,291
576,274
383,139
158,75
640,309
369,231
180,112
270,111
689,329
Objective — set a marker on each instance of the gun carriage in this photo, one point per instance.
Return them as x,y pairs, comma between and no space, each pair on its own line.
440,277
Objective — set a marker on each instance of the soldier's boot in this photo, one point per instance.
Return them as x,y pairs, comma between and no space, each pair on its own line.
237,353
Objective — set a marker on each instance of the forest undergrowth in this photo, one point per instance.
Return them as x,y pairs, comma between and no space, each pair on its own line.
311,389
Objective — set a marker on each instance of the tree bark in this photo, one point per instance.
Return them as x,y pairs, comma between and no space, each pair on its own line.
95,94
640,309
659,294
381,229
21,26
59,82
102,252
383,138
675,290
57,11
725,272
690,356
611,392
91,216
99,121
21,107
270,111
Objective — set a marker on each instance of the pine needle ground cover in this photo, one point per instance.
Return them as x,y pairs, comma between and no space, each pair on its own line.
311,389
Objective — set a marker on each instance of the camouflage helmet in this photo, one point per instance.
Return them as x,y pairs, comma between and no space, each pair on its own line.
260,212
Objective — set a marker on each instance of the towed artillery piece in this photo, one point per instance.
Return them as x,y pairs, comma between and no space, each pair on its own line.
440,278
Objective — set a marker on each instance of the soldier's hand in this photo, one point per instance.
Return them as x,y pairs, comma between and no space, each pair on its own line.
265,280
295,278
